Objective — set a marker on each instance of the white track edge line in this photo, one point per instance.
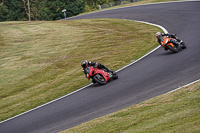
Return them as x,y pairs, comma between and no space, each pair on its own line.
184,85
47,103
164,30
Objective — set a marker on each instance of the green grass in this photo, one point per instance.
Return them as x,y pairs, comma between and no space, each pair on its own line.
40,61
175,112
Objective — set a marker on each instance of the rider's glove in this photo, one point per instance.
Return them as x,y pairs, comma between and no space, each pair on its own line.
96,64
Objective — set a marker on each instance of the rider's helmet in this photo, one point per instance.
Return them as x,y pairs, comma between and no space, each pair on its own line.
84,63
158,35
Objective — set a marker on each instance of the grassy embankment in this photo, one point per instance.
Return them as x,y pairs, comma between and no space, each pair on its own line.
40,61
175,112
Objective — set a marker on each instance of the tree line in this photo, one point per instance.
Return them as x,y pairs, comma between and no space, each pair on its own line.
46,10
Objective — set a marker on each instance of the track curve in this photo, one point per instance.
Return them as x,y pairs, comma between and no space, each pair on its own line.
146,78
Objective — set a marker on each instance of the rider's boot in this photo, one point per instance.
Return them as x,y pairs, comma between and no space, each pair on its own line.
93,81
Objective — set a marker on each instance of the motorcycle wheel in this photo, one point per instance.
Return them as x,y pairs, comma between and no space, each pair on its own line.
99,79
115,76
183,45
173,49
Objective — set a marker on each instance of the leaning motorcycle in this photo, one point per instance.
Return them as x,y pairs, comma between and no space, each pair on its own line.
172,44
99,76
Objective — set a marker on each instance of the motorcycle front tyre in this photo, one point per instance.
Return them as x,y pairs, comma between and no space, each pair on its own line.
115,76
183,45
175,50
96,79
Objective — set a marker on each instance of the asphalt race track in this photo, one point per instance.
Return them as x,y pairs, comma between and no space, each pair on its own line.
158,73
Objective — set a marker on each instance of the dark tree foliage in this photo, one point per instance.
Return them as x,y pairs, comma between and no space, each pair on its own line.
17,10
10,10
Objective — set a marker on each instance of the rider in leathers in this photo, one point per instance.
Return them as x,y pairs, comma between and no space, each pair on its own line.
160,38
86,64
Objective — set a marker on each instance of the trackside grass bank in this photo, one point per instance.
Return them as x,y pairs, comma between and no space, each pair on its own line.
40,61
175,112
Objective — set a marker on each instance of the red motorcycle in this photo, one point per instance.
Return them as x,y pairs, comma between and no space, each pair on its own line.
99,76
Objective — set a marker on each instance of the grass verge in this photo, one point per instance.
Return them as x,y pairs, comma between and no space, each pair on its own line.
175,112
40,61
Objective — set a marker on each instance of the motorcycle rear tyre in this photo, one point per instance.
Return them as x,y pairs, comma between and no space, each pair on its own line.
172,49
96,79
